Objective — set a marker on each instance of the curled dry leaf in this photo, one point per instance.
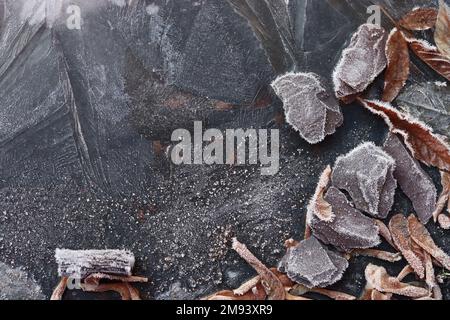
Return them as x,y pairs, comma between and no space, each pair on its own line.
419,19
420,139
431,56
430,277
58,292
443,201
384,232
318,206
120,288
256,293
442,33
378,278
407,270
273,286
422,238
379,254
398,225
398,65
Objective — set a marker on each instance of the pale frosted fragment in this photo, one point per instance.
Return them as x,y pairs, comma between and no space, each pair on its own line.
312,265
308,107
366,173
350,229
413,180
361,62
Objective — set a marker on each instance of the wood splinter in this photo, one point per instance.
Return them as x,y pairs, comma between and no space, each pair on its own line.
92,266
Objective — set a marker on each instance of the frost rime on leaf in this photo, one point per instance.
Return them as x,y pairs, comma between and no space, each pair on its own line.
361,62
309,108
366,173
413,180
311,264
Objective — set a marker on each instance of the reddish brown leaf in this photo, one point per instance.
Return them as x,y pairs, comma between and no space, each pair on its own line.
318,206
422,238
442,33
60,289
419,19
402,239
378,254
384,232
379,279
443,201
272,285
431,56
420,139
397,71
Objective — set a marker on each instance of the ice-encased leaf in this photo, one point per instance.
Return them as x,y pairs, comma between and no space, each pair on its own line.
313,265
366,173
349,229
430,103
412,179
309,108
361,62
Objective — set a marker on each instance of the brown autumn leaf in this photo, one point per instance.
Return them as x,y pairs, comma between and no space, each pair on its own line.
422,238
318,206
384,232
378,254
378,279
256,293
398,226
443,201
431,56
273,286
419,19
420,139
442,33
398,65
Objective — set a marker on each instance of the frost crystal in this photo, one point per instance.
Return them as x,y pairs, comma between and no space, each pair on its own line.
312,265
413,180
366,173
309,108
361,62
350,229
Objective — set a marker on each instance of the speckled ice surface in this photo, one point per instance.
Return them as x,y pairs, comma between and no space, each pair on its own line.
83,113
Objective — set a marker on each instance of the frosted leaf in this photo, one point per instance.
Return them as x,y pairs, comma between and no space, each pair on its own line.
366,173
309,108
412,179
361,62
349,229
312,265
429,103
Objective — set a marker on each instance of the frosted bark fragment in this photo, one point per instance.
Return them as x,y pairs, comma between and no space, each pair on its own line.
349,229
312,265
308,107
413,180
366,173
361,62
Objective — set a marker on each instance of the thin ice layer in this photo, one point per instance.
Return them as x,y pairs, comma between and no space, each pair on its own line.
349,229
312,265
361,62
367,174
413,180
309,108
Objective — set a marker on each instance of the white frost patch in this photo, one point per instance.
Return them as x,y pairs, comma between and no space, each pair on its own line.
152,9
440,84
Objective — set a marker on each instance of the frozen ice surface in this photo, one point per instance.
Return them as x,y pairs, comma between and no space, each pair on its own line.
366,173
309,108
16,284
310,263
412,179
349,229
